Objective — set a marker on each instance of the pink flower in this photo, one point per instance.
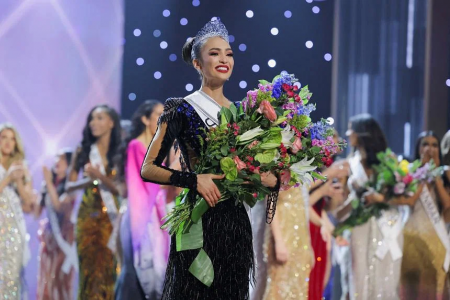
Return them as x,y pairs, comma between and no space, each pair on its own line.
297,145
239,163
408,179
253,144
267,110
285,177
399,188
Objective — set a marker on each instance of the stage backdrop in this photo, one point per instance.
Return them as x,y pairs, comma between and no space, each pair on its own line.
57,60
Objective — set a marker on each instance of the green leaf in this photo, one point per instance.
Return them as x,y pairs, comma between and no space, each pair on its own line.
202,268
315,149
226,115
201,206
264,82
192,239
234,112
224,150
266,157
318,176
267,146
275,78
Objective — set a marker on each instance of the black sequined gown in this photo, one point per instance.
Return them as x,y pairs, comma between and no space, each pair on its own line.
227,231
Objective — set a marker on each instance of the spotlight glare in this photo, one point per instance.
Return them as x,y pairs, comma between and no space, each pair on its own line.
249,14
163,45
274,31
132,96
140,61
309,44
183,21
255,68
272,63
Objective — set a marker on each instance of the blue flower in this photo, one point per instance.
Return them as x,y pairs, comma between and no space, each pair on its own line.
319,130
306,110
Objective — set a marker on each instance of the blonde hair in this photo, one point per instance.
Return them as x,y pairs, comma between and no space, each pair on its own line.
18,154
445,148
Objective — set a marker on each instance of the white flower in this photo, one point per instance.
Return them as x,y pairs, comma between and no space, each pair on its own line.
302,169
251,134
286,136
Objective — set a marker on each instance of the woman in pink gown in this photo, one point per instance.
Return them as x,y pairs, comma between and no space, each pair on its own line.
145,246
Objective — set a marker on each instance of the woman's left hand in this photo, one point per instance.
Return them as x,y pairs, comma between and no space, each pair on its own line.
373,197
268,179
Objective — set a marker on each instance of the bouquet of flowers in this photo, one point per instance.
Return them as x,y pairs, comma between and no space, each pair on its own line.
392,178
270,131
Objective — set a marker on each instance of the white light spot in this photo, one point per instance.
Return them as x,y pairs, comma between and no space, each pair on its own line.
274,31
163,45
272,63
242,47
309,1
249,14
288,14
243,84
157,75
183,21
132,96
327,57
447,82
196,2
140,61
189,87
309,44
316,9
166,13
137,32
255,68
298,84
157,33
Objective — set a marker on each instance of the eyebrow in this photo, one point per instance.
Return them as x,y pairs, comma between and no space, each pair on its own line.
219,49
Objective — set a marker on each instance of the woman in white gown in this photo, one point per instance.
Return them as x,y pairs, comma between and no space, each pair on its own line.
15,198
376,246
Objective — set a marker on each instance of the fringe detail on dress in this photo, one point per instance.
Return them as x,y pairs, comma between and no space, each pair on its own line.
227,238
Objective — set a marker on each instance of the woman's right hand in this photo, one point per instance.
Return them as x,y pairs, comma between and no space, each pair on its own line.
281,252
208,189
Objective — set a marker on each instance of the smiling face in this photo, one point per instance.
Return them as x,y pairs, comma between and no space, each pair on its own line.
101,123
429,148
216,61
7,142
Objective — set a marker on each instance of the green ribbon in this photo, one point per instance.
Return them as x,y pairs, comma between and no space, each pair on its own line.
202,268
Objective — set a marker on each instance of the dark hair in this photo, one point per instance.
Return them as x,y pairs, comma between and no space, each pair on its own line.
370,136
137,128
89,139
423,135
187,51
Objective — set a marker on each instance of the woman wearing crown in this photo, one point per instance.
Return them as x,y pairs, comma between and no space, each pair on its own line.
227,231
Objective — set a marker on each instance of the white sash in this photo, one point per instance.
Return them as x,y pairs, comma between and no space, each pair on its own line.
69,250
108,199
390,231
438,223
16,206
208,110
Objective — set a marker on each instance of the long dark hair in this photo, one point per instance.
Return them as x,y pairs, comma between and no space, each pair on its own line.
137,128
370,136
423,135
89,139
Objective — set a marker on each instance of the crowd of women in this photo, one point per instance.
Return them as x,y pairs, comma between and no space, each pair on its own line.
129,174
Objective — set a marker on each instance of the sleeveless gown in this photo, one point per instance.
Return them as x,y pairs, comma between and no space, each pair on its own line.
227,230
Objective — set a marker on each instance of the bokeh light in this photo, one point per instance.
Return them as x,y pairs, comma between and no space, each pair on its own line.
255,68
327,57
132,96
274,31
140,61
309,44
243,84
163,45
166,13
137,32
272,63
157,75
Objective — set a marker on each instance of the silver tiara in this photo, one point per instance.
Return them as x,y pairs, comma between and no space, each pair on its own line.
211,29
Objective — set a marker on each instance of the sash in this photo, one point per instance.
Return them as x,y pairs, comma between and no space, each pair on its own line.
16,206
108,199
438,223
69,250
389,230
208,109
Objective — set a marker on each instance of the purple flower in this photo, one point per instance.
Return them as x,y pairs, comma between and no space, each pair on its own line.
306,110
318,130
